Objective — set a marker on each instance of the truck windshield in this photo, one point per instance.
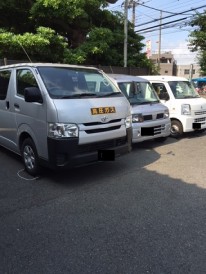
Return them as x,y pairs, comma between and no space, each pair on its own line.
138,93
68,83
183,89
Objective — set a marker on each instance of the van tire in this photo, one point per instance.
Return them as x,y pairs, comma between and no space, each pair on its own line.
176,129
30,157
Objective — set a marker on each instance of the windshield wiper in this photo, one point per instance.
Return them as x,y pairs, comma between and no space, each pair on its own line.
78,95
107,94
142,103
190,96
154,102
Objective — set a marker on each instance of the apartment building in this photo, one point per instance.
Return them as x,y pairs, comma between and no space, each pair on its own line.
166,63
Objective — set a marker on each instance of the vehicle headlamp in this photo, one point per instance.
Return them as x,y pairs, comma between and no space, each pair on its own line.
61,130
128,121
186,109
166,114
137,118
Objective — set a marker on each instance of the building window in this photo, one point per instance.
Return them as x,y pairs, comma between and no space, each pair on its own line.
166,71
186,71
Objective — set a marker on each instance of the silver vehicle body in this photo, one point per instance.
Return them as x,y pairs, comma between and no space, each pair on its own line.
90,122
155,121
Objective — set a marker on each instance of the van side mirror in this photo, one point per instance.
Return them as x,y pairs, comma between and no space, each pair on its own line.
33,95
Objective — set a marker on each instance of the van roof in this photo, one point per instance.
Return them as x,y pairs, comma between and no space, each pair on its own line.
164,78
46,64
125,77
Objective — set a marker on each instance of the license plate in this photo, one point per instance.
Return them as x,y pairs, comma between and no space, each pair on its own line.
103,110
147,131
196,126
106,155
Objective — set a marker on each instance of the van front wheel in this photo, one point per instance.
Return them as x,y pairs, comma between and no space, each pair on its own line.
30,157
176,129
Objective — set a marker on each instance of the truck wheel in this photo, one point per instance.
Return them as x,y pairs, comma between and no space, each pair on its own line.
30,157
176,129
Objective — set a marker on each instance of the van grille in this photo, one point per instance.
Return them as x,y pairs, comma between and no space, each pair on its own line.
102,145
147,117
159,129
97,130
99,123
150,117
198,120
200,112
160,115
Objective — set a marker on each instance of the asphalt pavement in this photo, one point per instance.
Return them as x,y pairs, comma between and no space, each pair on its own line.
143,213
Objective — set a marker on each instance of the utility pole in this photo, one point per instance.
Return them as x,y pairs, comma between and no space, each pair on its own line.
125,31
133,4
159,45
191,72
133,12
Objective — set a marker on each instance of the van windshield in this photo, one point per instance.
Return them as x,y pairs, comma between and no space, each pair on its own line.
138,93
183,89
69,83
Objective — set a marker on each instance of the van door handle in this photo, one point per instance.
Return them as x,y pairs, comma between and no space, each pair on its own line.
7,104
16,105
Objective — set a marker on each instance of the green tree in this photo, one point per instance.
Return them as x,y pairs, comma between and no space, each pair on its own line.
43,46
70,31
197,39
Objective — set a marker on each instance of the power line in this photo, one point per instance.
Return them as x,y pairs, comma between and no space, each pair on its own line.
163,24
180,13
158,9
179,6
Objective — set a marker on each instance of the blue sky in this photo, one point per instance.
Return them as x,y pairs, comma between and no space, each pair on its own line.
174,31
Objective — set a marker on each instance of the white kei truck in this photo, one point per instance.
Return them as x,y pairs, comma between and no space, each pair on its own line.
62,116
187,108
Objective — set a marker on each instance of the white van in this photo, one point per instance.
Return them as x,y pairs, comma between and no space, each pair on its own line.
187,108
56,115
150,118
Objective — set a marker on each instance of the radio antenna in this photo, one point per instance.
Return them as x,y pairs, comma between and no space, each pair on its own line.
25,52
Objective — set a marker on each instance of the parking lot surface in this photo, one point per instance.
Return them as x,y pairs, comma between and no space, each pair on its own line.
143,213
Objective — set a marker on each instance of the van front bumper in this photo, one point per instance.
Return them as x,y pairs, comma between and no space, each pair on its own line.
191,123
151,130
67,153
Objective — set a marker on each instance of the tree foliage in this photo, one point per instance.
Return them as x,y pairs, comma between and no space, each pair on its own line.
70,31
198,38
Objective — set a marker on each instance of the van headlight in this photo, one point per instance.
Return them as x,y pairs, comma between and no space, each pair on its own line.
166,114
60,130
128,121
137,118
186,109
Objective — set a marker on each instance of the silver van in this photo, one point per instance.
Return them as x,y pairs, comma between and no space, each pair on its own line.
150,118
62,116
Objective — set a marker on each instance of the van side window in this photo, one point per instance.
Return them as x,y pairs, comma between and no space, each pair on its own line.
161,90
24,79
4,83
